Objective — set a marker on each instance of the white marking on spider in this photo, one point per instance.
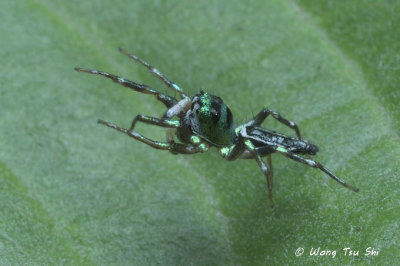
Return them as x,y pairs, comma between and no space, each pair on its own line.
178,108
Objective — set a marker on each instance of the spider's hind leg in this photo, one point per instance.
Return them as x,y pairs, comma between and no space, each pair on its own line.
269,161
314,164
244,149
267,171
264,113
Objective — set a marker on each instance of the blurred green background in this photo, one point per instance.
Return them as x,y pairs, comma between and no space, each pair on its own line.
74,192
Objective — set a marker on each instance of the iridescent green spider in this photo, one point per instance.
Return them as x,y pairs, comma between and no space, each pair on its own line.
205,121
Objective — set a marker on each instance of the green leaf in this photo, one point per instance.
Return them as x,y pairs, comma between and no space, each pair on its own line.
75,192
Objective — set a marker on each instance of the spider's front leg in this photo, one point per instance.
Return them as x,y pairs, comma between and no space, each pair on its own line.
155,121
155,72
177,148
169,101
166,120
264,113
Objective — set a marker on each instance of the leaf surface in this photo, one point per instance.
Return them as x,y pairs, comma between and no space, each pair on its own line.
74,192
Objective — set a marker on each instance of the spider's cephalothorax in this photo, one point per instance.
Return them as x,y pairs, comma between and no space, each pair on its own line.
206,121
211,120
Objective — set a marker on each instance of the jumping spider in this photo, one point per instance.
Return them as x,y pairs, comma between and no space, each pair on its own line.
205,121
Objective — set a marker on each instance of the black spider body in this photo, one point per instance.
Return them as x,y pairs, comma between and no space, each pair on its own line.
266,142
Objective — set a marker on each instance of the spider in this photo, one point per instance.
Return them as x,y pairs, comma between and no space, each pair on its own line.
205,121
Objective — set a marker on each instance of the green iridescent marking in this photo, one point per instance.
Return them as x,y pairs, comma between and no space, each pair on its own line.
163,144
249,144
174,123
238,129
194,139
203,147
225,151
281,149
205,99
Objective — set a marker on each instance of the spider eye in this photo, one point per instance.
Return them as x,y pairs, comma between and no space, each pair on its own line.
215,111
214,115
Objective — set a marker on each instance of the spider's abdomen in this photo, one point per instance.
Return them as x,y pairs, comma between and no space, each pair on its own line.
265,141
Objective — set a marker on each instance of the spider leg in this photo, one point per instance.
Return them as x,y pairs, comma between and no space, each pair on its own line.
314,164
169,135
169,101
155,121
266,171
269,161
156,72
244,149
170,124
170,146
264,113
233,152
